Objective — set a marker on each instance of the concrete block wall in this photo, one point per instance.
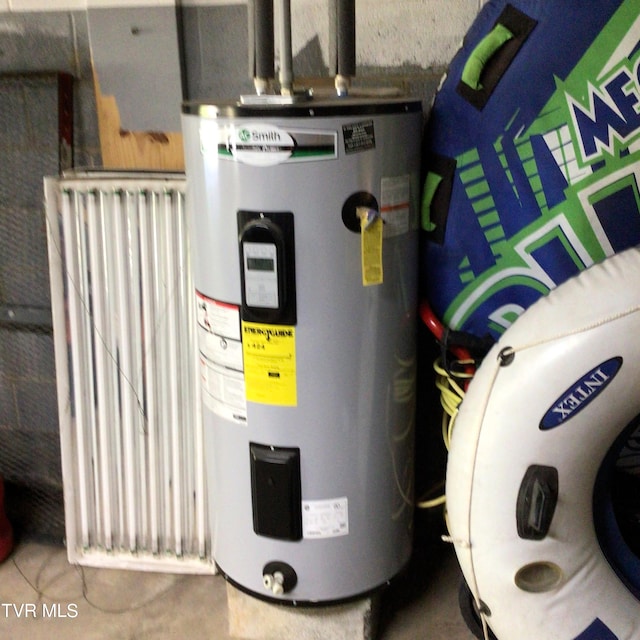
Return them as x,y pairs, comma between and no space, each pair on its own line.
402,42
31,45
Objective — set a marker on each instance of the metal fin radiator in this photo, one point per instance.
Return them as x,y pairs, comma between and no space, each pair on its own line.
126,367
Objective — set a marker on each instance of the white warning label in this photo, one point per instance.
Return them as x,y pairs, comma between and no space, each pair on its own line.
325,518
395,206
221,363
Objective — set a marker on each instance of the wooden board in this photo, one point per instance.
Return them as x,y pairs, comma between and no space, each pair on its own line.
121,149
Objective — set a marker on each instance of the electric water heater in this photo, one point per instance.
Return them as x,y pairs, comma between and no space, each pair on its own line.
304,225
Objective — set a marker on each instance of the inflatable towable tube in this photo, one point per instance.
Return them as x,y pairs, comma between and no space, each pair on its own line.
531,464
532,157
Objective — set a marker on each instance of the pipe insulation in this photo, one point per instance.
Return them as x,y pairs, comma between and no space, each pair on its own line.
346,37
263,49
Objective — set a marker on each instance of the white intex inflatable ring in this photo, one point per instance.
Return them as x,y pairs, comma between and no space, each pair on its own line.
528,497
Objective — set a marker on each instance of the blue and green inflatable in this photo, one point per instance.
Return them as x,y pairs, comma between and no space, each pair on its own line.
532,156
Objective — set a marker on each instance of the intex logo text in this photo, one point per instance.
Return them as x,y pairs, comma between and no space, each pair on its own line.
581,393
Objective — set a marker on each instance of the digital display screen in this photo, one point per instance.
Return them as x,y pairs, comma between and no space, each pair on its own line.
260,264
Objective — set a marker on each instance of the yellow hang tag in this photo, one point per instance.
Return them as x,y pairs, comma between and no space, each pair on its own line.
371,246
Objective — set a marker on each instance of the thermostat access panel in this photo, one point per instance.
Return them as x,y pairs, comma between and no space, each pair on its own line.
267,266
261,275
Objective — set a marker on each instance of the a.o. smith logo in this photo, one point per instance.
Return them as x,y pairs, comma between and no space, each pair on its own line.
259,144
263,136
581,393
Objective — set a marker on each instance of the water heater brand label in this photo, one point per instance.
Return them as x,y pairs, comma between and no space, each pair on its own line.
263,145
260,144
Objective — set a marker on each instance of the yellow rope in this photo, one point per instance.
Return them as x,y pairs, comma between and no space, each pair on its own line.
451,395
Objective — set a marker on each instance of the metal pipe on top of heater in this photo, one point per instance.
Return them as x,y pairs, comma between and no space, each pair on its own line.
285,75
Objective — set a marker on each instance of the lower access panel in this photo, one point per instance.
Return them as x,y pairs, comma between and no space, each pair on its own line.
275,491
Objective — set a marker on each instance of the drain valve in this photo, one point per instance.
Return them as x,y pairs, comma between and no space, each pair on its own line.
279,578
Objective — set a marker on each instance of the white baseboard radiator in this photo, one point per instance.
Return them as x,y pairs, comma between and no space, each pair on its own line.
126,366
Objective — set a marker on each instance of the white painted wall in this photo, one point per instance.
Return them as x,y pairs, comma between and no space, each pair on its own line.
391,33
70,5
43,5
417,32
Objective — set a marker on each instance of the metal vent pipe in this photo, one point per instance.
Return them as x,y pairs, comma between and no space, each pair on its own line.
286,57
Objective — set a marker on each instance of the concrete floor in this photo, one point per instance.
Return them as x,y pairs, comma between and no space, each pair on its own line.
42,597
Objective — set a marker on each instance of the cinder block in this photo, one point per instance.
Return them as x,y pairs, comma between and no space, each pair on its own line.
37,404
254,619
8,413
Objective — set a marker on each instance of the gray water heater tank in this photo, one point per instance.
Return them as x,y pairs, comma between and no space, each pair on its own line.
304,227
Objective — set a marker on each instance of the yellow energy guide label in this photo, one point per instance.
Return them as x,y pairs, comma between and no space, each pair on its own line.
269,352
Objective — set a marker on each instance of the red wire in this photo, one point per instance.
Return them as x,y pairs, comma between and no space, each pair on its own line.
437,328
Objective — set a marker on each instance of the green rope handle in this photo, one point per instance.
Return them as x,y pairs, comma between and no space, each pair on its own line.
431,184
484,51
